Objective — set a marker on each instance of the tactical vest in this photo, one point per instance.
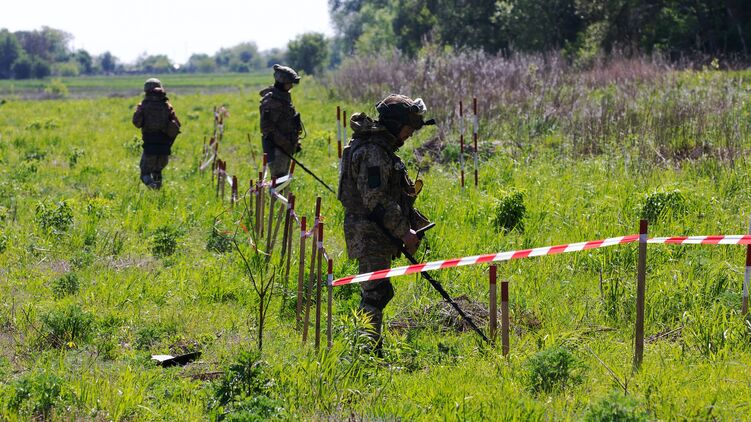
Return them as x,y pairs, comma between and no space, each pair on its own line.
156,115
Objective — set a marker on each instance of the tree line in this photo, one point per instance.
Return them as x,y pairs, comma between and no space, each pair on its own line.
48,52
579,28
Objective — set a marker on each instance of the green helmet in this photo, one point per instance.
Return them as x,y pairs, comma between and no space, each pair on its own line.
152,83
402,109
285,75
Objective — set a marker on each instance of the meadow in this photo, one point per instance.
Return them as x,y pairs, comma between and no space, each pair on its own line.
98,273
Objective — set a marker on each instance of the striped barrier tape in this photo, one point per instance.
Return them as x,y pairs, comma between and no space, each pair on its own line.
545,250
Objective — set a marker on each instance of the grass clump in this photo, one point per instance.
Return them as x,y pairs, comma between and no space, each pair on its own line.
67,326
661,205
616,407
55,219
164,241
218,242
509,212
243,393
552,370
66,285
35,395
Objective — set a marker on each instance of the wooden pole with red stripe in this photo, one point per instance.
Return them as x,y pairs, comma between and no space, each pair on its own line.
329,313
640,292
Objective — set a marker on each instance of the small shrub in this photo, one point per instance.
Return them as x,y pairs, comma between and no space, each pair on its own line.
35,395
552,369
55,219
152,334
658,205
75,155
616,407
164,241
219,242
67,326
242,394
3,242
56,89
133,145
66,285
510,212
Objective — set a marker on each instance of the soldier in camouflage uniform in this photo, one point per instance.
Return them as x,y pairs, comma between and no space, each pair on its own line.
374,186
280,123
159,126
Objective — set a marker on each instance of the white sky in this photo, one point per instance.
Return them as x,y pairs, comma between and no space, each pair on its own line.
177,28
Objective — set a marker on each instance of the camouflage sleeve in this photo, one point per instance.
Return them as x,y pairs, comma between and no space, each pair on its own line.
173,115
138,116
372,169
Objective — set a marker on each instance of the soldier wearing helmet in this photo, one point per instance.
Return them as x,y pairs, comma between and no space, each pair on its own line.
281,126
159,126
375,189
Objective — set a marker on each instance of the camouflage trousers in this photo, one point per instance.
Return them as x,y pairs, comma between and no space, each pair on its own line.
375,295
279,164
151,169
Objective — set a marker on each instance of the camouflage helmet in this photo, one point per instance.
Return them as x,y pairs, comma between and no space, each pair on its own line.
402,109
152,83
285,75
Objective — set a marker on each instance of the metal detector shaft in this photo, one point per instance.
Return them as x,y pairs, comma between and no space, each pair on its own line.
433,282
305,169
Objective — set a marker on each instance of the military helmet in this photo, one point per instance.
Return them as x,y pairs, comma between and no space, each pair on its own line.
152,83
400,108
285,75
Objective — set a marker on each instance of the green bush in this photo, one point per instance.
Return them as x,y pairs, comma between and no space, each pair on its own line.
616,407
242,394
164,241
3,242
35,395
65,285
74,156
552,369
56,89
510,212
55,219
660,205
219,242
67,326
151,334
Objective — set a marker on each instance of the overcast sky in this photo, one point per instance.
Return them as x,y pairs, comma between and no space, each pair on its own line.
128,28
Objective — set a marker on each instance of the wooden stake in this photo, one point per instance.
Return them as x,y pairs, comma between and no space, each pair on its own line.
261,205
312,270
287,218
474,138
329,313
461,141
493,308
747,276
288,245
318,286
505,319
269,226
640,291
301,274
234,190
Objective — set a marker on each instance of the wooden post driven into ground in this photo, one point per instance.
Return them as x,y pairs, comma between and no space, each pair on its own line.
301,273
505,319
461,141
330,289
319,246
474,138
493,308
312,270
746,277
640,291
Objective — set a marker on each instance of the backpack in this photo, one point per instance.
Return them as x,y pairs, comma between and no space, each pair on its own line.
156,115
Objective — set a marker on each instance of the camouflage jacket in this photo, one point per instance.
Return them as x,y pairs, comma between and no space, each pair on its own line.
373,183
280,122
155,142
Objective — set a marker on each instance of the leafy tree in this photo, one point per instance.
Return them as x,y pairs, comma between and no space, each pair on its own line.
22,68
308,52
49,44
108,62
275,55
10,51
85,62
40,68
158,63
201,63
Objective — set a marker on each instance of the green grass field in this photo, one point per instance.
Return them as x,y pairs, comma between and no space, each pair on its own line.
89,288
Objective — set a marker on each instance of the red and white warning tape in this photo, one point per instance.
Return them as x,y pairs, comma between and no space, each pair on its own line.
546,250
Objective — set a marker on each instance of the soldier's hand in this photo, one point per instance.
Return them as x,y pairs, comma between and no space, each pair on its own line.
411,241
